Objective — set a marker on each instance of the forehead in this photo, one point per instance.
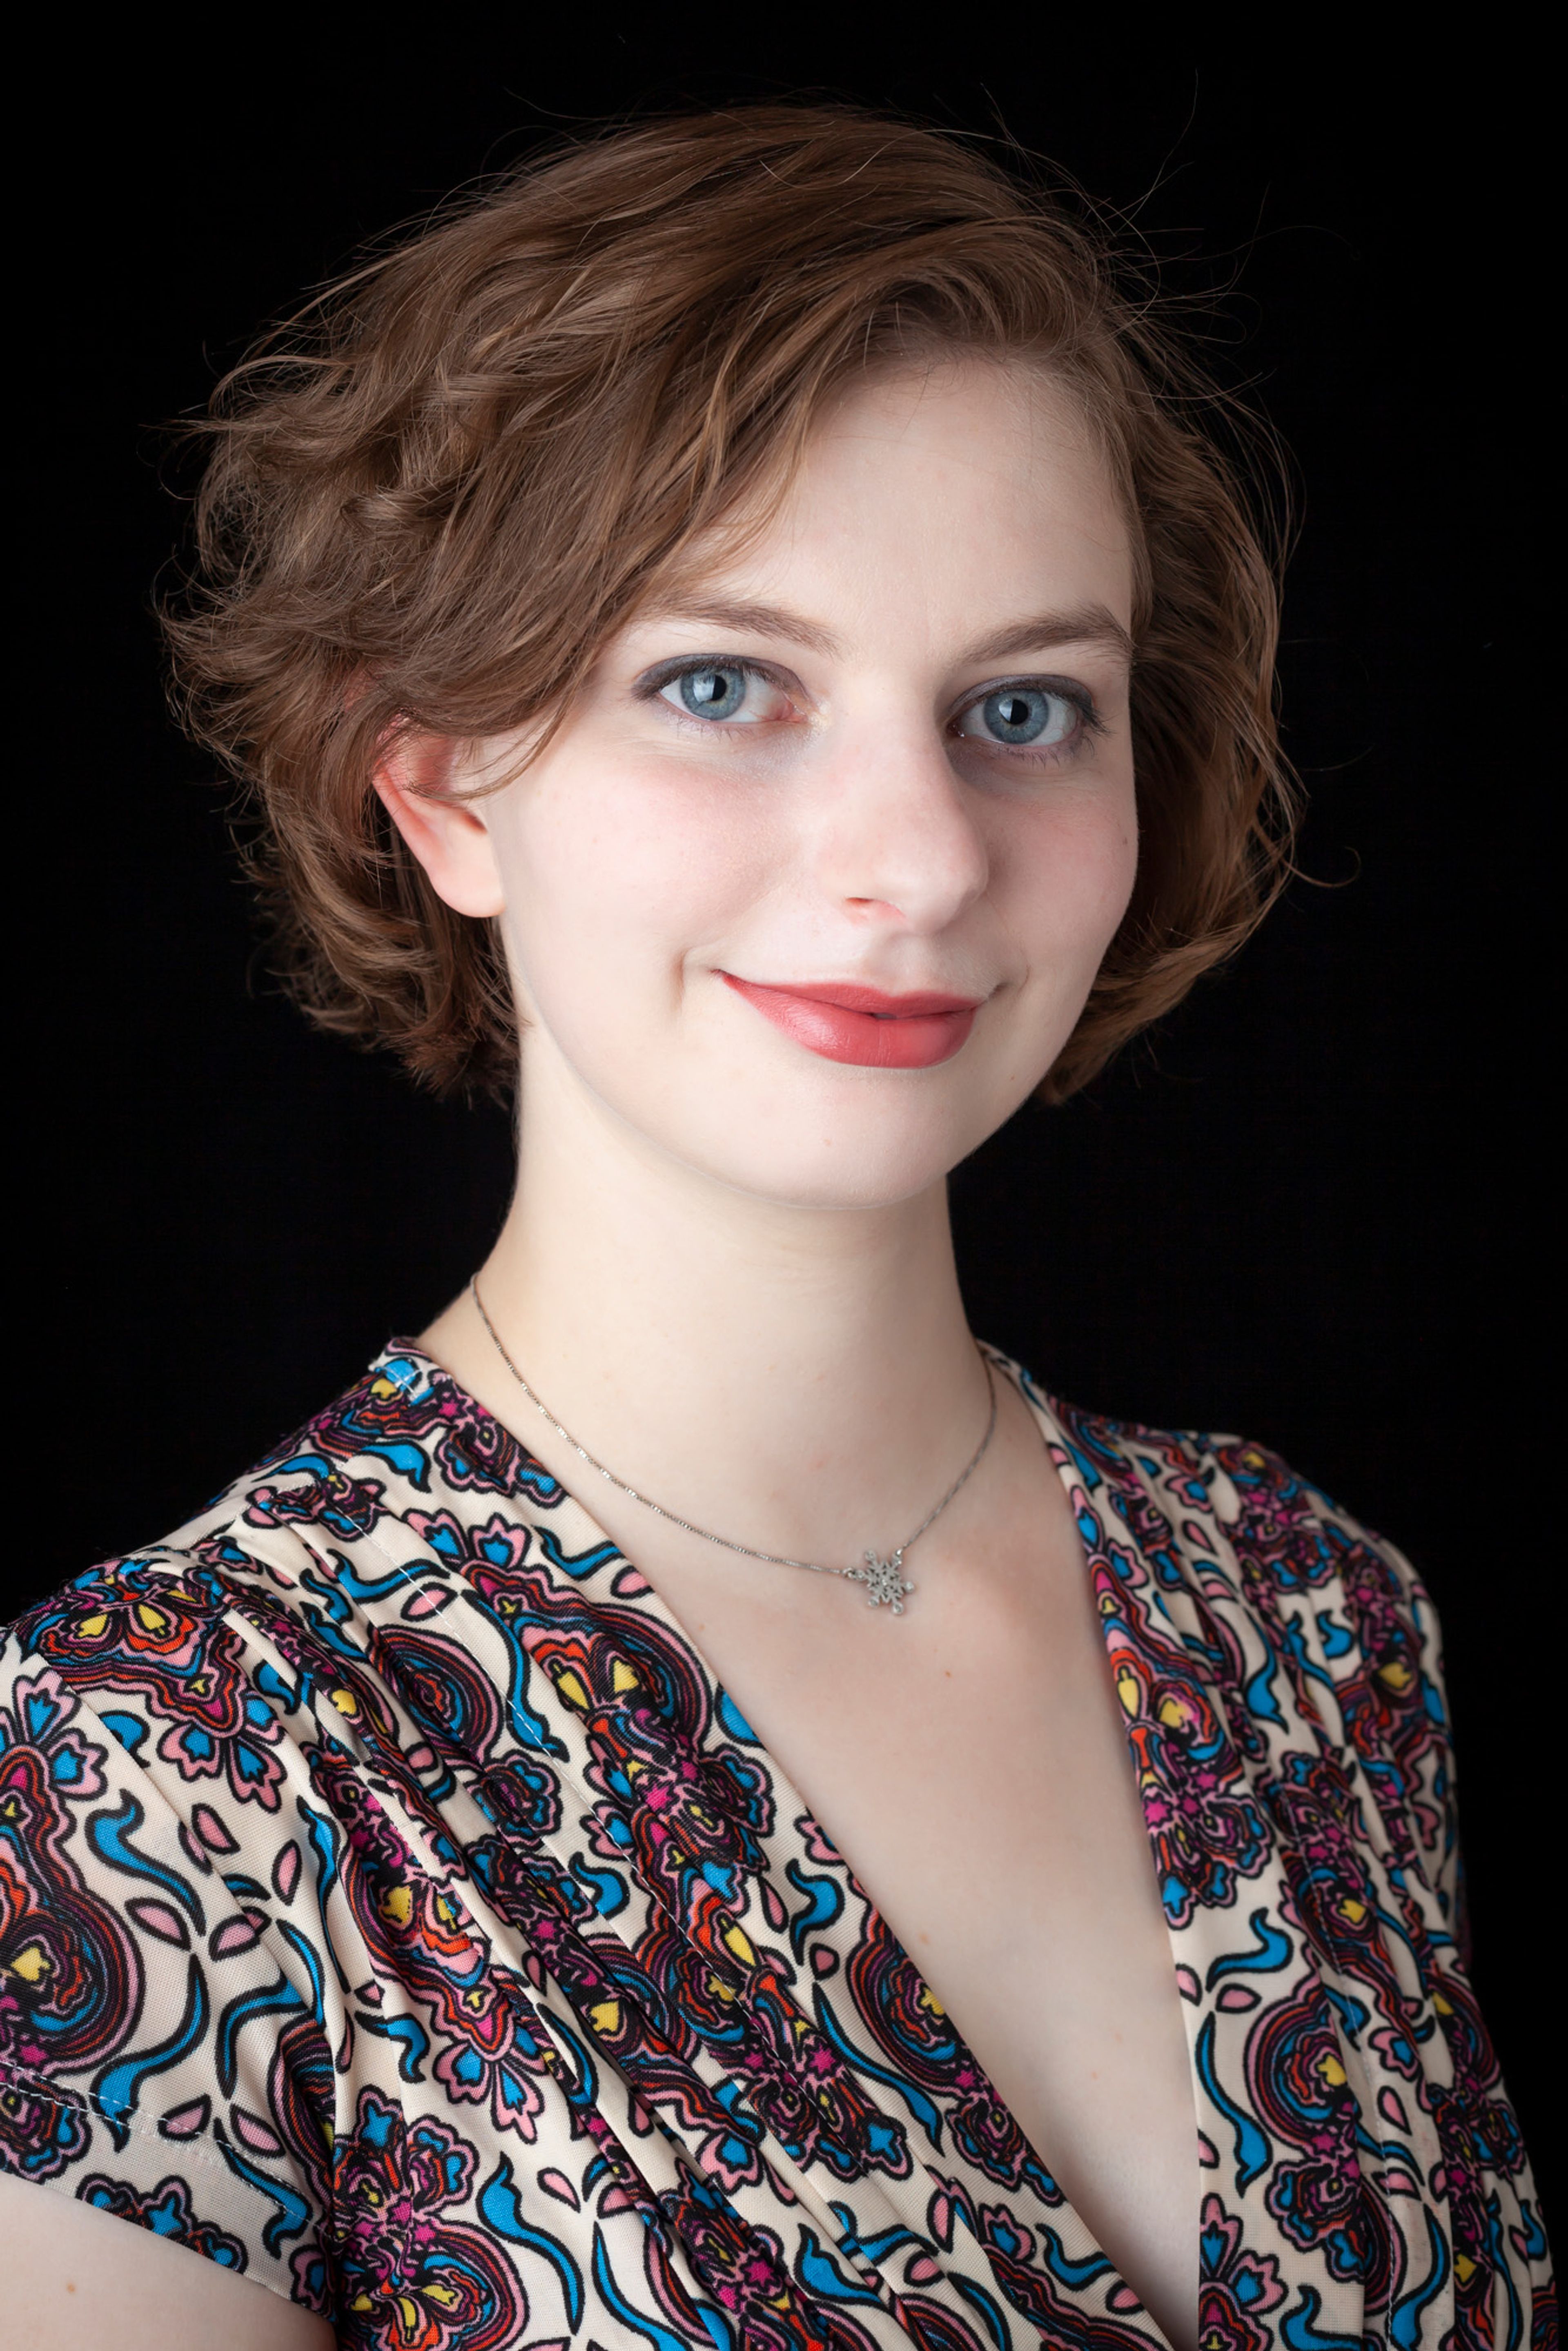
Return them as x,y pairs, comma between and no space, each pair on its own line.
1002,410
957,487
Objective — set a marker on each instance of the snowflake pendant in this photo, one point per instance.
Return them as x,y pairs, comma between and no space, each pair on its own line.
884,1579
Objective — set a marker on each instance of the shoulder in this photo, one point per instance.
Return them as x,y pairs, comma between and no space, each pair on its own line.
192,1654
1303,1557
156,1976
144,1645
209,1672
236,1806
167,1839
1290,1540
1281,1576
1315,1629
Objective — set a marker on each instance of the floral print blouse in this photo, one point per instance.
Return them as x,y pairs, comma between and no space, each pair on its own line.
393,1909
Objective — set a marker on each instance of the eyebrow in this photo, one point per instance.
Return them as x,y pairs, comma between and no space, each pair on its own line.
1084,625
752,620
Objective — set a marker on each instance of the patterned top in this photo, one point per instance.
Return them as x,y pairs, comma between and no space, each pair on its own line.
392,1907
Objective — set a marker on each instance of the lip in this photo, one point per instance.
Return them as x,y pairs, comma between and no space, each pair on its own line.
842,1020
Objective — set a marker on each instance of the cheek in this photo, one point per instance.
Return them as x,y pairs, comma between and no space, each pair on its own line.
1071,866
602,879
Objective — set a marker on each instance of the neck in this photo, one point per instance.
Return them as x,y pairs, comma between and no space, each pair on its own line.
800,1378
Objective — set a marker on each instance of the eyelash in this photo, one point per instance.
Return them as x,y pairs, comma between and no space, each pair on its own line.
1078,697
651,687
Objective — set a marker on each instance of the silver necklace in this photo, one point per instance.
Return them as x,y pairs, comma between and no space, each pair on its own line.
884,1578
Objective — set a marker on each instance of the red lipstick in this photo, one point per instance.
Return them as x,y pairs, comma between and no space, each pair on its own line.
844,1022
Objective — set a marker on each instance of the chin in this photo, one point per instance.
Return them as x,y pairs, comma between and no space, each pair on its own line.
874,1152
834,1188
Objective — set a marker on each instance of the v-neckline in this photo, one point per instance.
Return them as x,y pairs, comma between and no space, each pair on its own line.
632,1589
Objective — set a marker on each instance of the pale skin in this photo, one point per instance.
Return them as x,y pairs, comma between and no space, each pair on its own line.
729,1266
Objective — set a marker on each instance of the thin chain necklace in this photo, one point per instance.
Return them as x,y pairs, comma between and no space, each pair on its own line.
884,1578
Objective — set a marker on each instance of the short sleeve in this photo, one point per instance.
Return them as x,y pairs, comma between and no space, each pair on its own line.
1360,1607
162,2043
1404,1715
1394,1699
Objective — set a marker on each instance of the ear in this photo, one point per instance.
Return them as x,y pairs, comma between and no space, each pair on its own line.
449,836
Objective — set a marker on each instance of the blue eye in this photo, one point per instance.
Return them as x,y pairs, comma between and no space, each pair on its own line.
725,692
711,692
1027,714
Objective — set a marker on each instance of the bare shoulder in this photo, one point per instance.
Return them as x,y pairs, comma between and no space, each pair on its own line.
77,2278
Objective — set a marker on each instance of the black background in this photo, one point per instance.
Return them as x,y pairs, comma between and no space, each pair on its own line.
1311,1211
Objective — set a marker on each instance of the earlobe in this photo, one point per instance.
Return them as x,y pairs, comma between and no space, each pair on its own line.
450,839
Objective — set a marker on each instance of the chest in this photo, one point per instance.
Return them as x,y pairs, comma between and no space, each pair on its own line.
970,1762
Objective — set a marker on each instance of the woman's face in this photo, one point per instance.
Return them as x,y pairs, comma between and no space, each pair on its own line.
810,890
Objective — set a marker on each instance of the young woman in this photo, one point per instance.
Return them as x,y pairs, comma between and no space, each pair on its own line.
695,1805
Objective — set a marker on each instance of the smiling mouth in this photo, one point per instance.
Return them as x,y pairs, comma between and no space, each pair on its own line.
841,1021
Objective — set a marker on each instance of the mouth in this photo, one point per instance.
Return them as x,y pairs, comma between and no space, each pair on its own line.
842,1022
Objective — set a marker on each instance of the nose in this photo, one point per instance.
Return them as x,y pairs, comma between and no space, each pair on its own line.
898,841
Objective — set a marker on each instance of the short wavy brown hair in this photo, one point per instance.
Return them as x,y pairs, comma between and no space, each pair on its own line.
431,498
